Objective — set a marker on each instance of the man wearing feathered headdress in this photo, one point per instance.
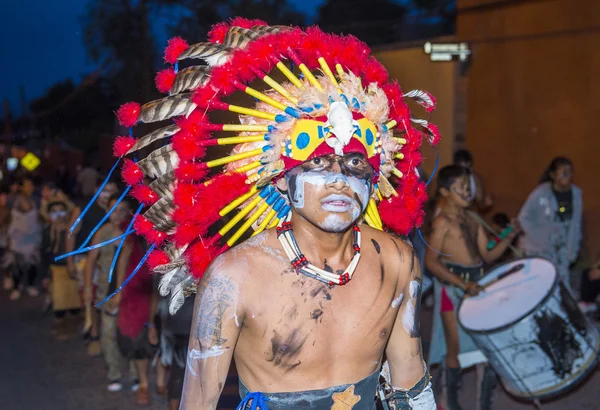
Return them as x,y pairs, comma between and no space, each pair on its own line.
324,160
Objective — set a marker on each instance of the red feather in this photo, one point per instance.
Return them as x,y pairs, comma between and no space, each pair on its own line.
200,255
210,199
175,47
223,78
187,147
375,72
131,173
122,145
217,32
246,23
164,80
195,124
156,258
144,194
142,225
205,96
190,171
128,114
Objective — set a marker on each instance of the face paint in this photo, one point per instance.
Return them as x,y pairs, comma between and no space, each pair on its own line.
396,302
410,321
340,186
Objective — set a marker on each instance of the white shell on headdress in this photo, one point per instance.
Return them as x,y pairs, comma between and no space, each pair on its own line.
341,126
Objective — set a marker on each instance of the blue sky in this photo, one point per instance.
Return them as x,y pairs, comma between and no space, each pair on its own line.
41,44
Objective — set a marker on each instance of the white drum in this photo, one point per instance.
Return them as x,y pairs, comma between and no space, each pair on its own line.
530,329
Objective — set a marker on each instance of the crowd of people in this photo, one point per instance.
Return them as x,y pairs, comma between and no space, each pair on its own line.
133,327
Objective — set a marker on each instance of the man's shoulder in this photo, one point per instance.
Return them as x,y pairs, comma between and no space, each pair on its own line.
393,248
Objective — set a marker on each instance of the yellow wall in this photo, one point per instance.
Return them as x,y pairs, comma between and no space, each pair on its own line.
412,68
533,94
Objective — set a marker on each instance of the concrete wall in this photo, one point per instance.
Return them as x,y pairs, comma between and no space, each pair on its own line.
412,68
533,94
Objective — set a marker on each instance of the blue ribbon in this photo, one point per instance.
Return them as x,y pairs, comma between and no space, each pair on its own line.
259,401
118,251
137,268
89,248
110,211
89,205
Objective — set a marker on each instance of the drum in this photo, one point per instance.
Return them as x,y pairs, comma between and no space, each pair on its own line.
530,329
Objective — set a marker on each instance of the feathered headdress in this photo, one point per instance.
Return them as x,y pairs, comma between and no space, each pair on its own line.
310,94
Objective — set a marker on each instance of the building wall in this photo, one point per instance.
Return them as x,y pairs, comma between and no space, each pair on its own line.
412,68
533,94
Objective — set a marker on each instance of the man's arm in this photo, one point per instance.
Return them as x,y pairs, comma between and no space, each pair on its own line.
213,336
409,377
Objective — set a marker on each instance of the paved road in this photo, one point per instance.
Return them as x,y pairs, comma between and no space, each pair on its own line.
38,373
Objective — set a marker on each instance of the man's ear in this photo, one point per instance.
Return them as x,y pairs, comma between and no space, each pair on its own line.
444,192
282,185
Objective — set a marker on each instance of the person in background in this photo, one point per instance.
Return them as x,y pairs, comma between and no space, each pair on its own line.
175,335
86,182
66,301
101,259
76,264
457,254
551,218
590,288
25,236
480,198
4,221
137,334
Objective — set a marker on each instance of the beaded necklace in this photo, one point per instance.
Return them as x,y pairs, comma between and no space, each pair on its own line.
285,234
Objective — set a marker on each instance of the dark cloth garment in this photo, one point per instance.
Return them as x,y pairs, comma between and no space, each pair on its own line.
565,204
470,273
53,247
590,289
136,297
362,393
23,274
62,313
136,348
180,349
93,216
181,322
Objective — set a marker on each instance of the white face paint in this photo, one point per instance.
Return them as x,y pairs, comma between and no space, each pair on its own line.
409,317
196,354
321,178
398,301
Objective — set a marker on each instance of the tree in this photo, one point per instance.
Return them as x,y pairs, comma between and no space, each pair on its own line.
117,34
372,22
199,16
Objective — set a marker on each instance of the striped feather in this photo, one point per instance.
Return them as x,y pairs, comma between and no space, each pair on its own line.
164,185
173,251
259,31
159,162
190,78
154,136
168,107
159,214
238,37
421,97
213,54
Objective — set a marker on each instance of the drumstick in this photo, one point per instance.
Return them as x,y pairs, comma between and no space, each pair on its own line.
509,272
491,230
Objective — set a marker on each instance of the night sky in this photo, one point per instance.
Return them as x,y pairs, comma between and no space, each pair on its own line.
42,44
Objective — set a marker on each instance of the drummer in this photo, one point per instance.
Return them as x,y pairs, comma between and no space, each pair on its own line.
456,259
